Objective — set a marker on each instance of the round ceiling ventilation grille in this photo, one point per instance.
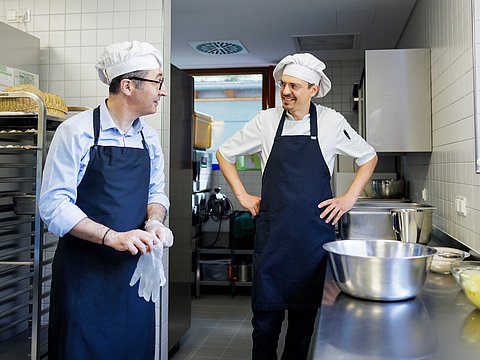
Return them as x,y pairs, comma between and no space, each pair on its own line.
219,47
226,47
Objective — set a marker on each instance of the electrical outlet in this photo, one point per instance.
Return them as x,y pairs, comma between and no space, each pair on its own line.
11,16
17,16
424,195
26,15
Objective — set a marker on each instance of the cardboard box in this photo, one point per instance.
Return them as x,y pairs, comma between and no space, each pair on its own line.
202,130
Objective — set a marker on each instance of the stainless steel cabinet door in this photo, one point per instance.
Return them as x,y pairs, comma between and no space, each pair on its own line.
398,100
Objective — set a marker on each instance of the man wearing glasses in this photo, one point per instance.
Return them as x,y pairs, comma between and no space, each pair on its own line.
103,195
296,213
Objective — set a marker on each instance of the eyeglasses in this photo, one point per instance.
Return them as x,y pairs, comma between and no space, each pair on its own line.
159,82
293,86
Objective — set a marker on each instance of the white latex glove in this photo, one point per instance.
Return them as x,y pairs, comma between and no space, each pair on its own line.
163,233
150,272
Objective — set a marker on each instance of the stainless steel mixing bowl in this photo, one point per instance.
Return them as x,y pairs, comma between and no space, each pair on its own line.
388,188
385,270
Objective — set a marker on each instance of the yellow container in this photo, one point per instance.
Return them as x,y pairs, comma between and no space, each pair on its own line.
202,130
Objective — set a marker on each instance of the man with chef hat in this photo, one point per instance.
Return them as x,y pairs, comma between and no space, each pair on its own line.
103,195
296,213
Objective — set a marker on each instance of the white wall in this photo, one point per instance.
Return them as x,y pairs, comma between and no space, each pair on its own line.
449,171
72,34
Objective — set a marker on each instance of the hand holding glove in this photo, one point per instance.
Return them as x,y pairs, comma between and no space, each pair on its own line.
150,272
163,233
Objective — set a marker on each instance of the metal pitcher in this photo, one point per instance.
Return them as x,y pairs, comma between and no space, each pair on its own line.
412,225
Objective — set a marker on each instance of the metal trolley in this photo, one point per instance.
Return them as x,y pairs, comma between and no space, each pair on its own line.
26,249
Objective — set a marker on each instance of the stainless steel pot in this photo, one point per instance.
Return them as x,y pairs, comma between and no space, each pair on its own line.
373,220
244,272
385,270
412,225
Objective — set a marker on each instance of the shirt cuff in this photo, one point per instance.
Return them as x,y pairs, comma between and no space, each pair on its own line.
70,216
230,159
365,159
160,199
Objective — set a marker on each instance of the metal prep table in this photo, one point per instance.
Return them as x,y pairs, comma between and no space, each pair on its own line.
438,324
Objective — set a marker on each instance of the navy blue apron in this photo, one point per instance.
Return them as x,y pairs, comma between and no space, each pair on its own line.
289,260
94,313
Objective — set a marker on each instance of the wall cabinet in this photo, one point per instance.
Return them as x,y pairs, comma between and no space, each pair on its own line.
395,100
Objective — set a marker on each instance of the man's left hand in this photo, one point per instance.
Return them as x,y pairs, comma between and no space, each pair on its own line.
336,207
160,231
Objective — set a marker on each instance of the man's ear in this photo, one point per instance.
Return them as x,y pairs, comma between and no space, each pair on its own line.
126,86
314,89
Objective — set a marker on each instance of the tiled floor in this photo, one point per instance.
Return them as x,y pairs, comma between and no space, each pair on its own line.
221,329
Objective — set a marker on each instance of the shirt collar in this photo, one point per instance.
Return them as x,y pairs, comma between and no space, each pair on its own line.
291,118
106,121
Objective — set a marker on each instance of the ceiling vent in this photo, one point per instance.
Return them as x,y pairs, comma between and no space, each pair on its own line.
326,42
223,47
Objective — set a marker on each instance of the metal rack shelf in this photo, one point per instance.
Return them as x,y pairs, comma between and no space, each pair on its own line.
212,252
24,253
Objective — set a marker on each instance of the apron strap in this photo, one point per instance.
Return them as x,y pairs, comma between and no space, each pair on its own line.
96,125
313,122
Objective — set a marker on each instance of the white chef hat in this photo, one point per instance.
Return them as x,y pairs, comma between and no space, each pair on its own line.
124,57
305,67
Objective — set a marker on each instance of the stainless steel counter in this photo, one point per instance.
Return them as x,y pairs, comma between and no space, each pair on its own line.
439,324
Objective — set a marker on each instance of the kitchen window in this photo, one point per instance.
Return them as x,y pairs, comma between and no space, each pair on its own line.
231,96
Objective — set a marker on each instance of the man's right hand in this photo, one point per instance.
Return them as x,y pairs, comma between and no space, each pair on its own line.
250,203
134,241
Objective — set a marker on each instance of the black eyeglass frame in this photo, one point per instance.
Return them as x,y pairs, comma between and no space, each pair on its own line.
159,82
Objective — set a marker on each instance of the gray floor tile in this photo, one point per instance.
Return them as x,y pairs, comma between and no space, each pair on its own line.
218,340
211,351
221,329
235,353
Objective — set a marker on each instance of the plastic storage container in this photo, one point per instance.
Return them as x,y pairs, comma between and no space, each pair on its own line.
214,270
202,130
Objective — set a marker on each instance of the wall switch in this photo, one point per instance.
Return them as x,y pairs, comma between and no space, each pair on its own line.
461,205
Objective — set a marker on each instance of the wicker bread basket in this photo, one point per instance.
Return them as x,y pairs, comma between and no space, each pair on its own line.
54,103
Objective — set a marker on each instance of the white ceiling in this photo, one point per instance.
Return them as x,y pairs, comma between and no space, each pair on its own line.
266,28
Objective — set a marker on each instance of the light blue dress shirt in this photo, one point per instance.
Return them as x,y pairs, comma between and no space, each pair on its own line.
68,157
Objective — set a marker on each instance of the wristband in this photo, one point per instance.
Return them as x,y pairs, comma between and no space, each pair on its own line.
105,235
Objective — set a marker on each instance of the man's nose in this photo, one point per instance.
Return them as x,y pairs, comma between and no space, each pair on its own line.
286,90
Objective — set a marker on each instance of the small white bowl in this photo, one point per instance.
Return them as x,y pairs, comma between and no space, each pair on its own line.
445,257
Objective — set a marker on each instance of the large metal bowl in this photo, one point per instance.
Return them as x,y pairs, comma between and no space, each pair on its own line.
385,270
387,188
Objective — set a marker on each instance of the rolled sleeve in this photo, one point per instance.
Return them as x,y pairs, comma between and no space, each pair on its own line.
63,218
156,190
59,183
